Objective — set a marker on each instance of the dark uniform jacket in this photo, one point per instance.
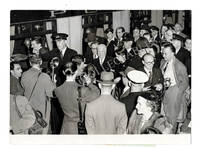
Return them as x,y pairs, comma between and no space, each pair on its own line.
69,53
130,102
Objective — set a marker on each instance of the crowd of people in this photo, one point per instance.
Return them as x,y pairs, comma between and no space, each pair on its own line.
136,82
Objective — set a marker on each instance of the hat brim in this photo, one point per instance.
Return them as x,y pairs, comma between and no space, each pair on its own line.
137,77
115,81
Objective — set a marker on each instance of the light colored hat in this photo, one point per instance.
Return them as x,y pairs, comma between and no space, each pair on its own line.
137,76
108,78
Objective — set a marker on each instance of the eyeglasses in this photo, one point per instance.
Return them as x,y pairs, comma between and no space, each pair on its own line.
152,62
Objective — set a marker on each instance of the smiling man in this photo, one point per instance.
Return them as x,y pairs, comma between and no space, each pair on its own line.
15,74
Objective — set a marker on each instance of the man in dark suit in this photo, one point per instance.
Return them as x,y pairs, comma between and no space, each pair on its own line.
155,74
182,54
154,85
39,49
15,74
155,34
111,42
63,53
101,63
131,58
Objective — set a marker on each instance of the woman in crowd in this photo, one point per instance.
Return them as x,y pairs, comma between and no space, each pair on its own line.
67,96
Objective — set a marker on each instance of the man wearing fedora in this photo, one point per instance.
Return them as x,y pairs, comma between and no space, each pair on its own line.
106,115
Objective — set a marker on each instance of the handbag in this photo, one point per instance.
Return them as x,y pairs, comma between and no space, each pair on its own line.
81,123
151,129
40,123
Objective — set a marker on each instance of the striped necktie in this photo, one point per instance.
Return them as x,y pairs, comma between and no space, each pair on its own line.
165,68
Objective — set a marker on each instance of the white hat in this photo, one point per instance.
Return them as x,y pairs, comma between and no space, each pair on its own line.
137,76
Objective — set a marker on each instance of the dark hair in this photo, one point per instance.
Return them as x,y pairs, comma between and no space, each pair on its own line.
34,59
155,47
94,42
147,33
122,28
37,39
108,30
90,71
69,68
77,59
170,45
12,64
145,27
152,105
142,43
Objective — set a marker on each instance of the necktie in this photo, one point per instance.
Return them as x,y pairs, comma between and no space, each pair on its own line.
61,55
165,68
150,76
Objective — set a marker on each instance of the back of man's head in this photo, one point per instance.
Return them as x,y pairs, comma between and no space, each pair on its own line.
35,60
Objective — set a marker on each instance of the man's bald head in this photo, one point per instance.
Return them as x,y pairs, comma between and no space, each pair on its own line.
148,61
148,57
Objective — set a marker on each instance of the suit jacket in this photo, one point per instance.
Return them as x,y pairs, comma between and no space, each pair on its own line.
135,62
105,115
104,67
21,106
15,86
156,120
89,93
67,95
43,89
180,74
184,56
69,53
181,78
126,93
132,60
130,102
111,48
157,77
88,55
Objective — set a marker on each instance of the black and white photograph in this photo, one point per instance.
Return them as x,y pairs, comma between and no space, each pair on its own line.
100,76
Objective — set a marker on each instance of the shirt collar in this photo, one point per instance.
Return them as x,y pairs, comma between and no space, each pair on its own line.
63,51
129,50
111,40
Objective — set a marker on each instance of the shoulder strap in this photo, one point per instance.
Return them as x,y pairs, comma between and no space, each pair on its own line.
34,85
79,103
155,119
17,109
